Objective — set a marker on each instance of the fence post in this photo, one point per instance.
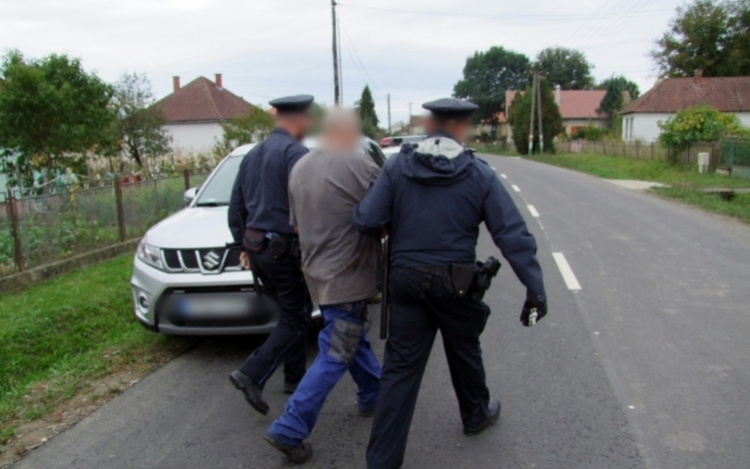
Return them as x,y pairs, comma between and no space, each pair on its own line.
120,211
186,175
637,150
652,150
13,215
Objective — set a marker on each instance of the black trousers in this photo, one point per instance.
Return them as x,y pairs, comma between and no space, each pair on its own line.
420,307
284,282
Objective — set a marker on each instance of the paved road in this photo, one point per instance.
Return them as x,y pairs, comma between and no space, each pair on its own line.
645,366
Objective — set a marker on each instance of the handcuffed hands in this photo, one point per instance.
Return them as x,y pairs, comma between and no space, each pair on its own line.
530,307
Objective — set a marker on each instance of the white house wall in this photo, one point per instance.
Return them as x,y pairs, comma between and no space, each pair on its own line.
194,138
645,126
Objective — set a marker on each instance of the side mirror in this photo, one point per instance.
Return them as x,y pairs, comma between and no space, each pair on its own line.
190,194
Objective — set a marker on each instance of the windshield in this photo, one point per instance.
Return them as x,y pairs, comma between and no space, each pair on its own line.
218,189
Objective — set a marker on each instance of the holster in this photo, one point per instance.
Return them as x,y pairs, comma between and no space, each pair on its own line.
283,246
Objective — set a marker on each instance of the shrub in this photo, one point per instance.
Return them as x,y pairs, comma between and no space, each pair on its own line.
698,124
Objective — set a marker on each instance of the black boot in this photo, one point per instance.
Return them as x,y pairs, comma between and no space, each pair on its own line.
493,413
298,454
253,393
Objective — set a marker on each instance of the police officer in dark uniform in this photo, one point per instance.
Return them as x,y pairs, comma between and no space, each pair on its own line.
259,219
432,200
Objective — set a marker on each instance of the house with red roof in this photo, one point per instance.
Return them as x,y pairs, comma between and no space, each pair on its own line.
195,111
726,94
577,108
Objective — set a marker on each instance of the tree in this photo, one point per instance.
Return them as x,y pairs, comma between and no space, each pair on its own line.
246,128
520,116
708,36
615,99
487,75
139,123
51,112
700,123
565,67
366,109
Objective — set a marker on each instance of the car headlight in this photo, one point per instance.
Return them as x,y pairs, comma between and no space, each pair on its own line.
149,254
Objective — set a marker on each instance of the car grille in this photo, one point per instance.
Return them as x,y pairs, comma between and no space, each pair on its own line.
207,261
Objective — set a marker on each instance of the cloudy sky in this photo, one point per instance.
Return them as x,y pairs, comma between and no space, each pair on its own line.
413,50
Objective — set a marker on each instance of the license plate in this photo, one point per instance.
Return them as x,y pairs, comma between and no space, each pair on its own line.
213,306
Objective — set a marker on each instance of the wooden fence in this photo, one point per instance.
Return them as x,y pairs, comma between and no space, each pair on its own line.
638,150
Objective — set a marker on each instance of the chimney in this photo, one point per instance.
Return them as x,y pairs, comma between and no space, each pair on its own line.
218,80
699,73
557,95
176,83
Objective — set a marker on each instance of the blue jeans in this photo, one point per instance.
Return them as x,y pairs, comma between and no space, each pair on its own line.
343,346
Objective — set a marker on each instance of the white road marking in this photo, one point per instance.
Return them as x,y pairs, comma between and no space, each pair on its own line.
503,176
533,211
516,188
494,168
631,407
570,278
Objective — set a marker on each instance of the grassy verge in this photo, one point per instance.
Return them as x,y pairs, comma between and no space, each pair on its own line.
58,338
686,184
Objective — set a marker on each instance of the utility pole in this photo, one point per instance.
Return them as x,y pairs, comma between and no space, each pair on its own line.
389,114
410,127
336,97
533,102
341,58
539,104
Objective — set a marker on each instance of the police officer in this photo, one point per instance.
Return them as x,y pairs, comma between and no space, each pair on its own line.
259,218
432,199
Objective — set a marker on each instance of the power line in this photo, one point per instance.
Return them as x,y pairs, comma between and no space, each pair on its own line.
639,4
480,15
358,59
601,25
583,27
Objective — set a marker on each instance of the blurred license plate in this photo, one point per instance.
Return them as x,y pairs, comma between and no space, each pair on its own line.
213,306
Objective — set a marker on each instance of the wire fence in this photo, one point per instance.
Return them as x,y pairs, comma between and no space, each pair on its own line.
640,151
74,219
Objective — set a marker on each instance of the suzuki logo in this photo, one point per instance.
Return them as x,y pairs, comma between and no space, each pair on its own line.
211,260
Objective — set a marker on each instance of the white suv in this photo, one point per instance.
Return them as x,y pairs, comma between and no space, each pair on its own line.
187,278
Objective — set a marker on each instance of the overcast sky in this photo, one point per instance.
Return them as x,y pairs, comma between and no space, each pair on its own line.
413,50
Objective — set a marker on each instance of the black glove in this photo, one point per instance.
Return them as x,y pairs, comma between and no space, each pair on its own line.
528,306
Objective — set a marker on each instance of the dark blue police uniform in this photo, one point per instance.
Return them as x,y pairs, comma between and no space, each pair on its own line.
260,198
433,199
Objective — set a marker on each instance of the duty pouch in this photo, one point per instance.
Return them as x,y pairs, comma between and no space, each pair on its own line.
253,240
459,279
279,247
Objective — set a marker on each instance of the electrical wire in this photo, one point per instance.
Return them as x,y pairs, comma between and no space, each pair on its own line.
477,15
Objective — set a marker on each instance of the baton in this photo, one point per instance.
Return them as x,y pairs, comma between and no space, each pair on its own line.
384,302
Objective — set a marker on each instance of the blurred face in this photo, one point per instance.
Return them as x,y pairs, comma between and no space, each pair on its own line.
296,124
341,131
458,128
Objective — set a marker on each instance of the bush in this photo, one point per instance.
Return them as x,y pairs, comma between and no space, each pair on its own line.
698,124
591,133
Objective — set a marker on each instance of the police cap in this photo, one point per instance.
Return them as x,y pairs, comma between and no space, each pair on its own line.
291,104
451,108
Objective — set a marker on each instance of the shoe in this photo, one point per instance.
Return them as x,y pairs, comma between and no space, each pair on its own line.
289,388
493,414
253,393
298,454
366,413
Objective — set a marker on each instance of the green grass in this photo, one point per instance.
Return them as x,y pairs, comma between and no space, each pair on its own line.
56,336
685,182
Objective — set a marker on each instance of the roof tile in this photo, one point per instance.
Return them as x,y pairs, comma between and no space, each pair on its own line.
726,94
202,100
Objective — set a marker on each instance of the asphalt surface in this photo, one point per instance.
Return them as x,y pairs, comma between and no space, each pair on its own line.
645,366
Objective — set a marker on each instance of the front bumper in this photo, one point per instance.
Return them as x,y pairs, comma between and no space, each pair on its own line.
153,289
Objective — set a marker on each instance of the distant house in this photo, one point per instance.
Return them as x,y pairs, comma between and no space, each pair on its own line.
577,108
417,125
195,111
726,94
